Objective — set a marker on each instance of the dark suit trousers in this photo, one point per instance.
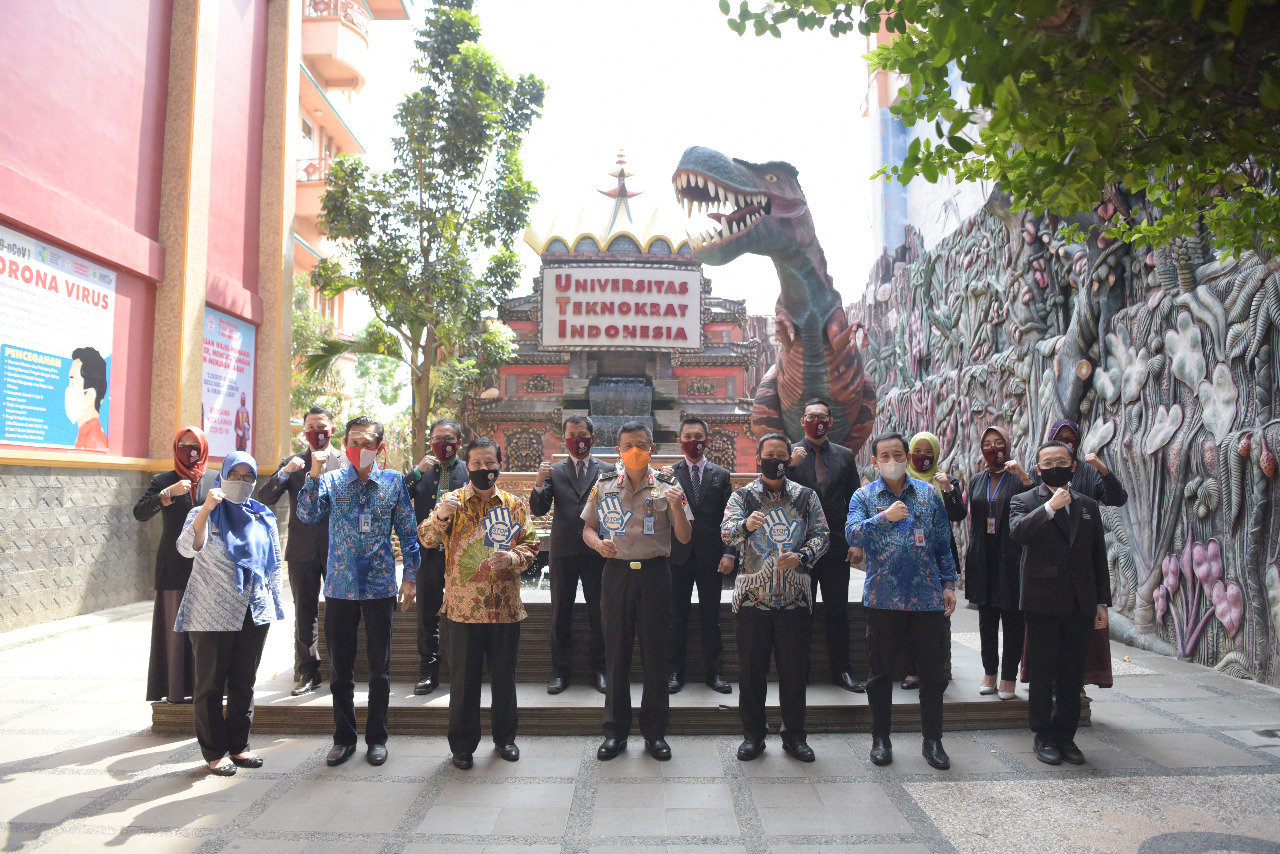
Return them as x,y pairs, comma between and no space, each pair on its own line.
831,572
565,574
786,635
226,665
702,569
430,598
306,579
1057,649
636,601
341,622
923,636
470,646
990,619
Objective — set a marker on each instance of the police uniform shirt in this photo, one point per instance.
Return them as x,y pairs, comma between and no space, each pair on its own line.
649,499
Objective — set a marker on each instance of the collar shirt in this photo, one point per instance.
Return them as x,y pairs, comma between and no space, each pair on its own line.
760,584
210,602
362,517
909,562
700,465
474,593
649,501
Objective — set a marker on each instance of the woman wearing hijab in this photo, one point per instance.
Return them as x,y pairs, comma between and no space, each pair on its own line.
231,600
1095,479
922,464
172,494
992,565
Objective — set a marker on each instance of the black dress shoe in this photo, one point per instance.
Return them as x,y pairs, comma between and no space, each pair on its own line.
1047,752
509,752
658,749
800,750
376,754
846,681
306,686
1070,753
609,748
674,683
223,771
881,751
910,684
933,753
249,761
427,684
598,680
750,749
339,753
557,684
462,761
716,683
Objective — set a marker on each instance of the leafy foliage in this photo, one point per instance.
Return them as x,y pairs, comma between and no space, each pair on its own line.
311,388
1173,105
455,200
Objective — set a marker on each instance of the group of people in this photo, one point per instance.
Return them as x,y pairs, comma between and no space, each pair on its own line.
639,540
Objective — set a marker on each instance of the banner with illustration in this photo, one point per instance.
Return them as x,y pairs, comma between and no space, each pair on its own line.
227,383
57,317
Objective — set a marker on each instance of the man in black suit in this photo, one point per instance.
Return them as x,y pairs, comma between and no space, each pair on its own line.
566,485
1066,589
829,470
307,550
439,471
700,561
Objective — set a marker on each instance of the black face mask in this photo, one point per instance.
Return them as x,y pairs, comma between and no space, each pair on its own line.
773,469
483,479
1055,478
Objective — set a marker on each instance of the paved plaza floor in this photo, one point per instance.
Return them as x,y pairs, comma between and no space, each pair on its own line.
1181,759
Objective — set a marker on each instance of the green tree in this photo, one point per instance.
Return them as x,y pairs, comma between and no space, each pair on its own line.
456,199
310,328
378,377
1167,109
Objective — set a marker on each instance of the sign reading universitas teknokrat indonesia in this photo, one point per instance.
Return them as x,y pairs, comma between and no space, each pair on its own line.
57,318
641,308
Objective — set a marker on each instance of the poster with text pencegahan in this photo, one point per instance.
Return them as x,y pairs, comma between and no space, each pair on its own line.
57,318
226,391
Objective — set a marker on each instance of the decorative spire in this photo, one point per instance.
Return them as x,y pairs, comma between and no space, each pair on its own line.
620,194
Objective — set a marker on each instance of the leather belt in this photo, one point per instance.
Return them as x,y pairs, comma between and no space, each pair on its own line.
638,564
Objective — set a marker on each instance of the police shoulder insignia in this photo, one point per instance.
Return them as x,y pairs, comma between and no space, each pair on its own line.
605,474
667,478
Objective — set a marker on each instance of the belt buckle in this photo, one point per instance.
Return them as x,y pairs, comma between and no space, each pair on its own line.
635,564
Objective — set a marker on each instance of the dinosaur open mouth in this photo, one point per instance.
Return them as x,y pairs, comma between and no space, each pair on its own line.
736,211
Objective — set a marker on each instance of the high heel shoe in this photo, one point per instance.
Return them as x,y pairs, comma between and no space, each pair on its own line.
985,689
1007,695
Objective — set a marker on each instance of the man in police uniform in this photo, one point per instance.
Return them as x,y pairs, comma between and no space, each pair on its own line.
637,511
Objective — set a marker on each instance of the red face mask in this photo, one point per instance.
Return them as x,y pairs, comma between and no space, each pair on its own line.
816,429
362,458
995,456
693,449
444,449
922,462
316,438
579,445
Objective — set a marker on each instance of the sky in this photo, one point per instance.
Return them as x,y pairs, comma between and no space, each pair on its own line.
652,78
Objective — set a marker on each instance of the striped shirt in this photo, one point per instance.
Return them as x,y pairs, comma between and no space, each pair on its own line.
211,603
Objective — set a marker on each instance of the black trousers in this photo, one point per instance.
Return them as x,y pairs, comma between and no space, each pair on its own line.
306,580
226,665
565,574
470,646
636,601
831,573
341,622
1057,650
786,635
923,636
430,598
702,569
990,619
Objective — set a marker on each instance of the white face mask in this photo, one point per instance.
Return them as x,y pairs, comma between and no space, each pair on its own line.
367,458
73,401
892,470
236,491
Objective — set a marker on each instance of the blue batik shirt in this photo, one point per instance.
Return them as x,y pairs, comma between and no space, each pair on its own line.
362,564
901,575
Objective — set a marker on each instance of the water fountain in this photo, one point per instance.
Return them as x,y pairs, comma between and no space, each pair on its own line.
613,401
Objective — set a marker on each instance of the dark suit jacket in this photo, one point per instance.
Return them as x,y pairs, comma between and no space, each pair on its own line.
172,569
562,490
1064,561
842,482
708,513
306,542
423,492
1104,489
1003,588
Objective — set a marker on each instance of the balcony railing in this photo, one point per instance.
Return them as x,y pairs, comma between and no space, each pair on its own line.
348,10
314,169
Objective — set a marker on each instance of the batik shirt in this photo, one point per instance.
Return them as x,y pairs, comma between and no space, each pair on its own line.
362,563
473,592
805,532
909,562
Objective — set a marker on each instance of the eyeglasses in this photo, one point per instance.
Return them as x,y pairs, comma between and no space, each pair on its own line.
1059,464
242,478
812,418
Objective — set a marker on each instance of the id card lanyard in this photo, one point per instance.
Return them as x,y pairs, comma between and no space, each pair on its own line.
991,511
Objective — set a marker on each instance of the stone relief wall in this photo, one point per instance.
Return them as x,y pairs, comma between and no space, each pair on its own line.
1167,357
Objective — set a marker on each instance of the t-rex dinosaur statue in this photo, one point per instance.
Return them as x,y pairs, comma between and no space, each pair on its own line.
761,209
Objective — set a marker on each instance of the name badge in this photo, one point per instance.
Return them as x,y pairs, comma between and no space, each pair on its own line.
991,524
366,523
919,532
648,525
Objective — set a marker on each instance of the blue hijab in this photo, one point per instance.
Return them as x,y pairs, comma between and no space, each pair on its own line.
245,528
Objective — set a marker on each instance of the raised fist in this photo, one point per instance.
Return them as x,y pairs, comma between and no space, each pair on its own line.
294,464
896,512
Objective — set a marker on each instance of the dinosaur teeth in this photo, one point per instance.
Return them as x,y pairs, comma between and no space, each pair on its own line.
702,180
